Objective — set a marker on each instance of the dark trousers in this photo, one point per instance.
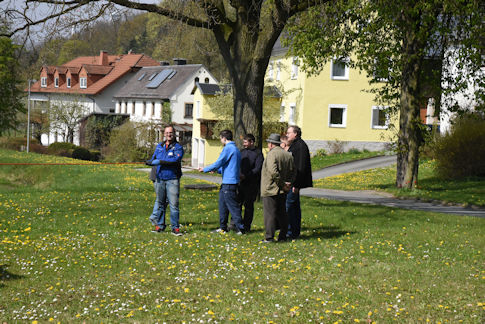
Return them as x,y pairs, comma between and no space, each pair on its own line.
294,213
228,203
247,197
274,212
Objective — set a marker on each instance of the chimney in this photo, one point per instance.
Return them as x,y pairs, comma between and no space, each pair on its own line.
103,58
179,61
164,63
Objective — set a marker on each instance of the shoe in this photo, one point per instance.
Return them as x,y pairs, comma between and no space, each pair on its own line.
157,229
239,232
267,240
176,232
219,230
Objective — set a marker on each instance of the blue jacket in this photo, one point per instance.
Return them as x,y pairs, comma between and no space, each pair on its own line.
170,161
228,164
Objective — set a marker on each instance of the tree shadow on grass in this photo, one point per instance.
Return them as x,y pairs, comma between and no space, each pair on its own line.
7,275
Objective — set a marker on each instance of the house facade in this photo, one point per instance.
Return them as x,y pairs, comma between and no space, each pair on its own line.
329,106
143,96
87,83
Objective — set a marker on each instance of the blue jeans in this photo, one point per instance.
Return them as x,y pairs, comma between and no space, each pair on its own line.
167,191
294,214
228,203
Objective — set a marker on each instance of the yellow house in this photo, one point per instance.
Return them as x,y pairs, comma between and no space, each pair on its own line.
205,150
329,106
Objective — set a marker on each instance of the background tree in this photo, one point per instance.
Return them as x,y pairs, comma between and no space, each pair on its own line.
245,32
64,117
10,94
394,42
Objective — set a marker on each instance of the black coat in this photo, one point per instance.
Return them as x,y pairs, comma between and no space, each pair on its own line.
251,164
301,156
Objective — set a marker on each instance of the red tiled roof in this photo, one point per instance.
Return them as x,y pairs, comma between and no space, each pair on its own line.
118,66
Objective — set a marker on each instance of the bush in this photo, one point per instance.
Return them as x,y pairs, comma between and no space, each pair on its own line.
125,144
337,146
16,143
81,153
354,150
461,152
320,153
61,149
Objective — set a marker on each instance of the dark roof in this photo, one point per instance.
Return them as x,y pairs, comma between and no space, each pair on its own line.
272,92
211,89
146,82
278,49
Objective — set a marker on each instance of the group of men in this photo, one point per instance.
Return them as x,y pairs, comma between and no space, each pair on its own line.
245,174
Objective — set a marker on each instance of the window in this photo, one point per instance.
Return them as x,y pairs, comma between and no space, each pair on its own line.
189,107
197,109
83,82
282,112
206,80
380,118
153,109
270,71
278,71
43,82
68,82
294,68
196,80
144,108
340,69
133,105
56,82
337,115
291,118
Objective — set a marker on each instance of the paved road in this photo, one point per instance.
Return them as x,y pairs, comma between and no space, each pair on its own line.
367,196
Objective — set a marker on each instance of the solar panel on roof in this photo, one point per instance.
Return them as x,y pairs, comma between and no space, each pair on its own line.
157,81
141,77
171,74
152,76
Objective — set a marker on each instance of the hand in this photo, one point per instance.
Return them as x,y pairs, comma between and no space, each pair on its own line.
149,162
155,162
296,190
201,169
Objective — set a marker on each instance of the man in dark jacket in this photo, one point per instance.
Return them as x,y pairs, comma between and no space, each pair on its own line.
250,178
301,156
168,159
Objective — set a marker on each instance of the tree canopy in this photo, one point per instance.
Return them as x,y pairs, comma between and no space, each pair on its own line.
405,48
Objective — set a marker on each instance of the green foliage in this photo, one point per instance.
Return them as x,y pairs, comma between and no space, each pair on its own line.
61,149
15,143
320,153
166,113
81,153
461,152
10,94
98,129
337,146
354,150
71,49
131,142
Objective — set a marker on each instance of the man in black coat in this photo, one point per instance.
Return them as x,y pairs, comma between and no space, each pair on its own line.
301,156
250,175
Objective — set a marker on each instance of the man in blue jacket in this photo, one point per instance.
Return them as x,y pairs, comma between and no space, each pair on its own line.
228,164
168,159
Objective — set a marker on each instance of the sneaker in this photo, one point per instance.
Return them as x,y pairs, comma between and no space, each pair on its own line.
157,229
176,232
267,240
239,232
219,230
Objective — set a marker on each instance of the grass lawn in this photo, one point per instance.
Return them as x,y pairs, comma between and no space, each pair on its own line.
469,191
76,246
320,162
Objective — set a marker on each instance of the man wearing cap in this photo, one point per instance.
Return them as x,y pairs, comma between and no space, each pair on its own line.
277,174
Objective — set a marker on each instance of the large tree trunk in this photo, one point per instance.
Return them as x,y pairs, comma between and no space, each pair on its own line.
409,138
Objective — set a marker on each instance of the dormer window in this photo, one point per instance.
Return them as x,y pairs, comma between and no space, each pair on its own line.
56,82
68,82
83,83
43,82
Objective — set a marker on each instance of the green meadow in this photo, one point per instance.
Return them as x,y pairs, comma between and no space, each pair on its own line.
76,247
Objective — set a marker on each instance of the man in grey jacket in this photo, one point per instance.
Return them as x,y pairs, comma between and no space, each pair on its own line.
277,174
